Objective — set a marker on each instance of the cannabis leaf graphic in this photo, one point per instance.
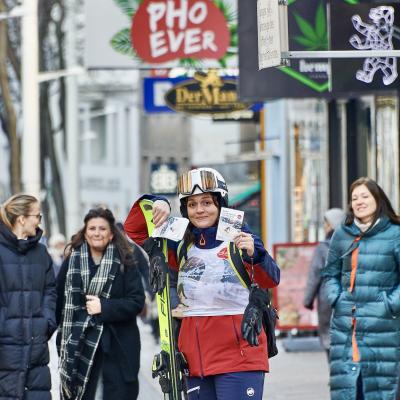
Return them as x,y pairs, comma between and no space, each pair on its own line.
313,37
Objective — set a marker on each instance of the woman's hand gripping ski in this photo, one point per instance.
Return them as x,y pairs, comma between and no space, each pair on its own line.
161,211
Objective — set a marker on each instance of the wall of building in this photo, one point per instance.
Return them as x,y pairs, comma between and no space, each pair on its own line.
109,131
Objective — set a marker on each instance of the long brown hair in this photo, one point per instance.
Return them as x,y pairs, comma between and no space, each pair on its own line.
119,239
383,205
15,206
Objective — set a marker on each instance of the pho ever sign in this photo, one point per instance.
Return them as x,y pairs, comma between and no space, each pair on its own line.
172,33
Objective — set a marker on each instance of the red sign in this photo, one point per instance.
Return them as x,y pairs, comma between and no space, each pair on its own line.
294,260
166,30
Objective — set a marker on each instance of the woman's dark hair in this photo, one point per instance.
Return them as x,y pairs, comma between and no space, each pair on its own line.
188,237
383,205
119,240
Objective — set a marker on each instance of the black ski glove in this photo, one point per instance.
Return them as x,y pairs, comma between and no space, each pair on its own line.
158,266
252,321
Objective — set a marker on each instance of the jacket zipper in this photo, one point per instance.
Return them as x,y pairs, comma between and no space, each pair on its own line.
199,350
237,337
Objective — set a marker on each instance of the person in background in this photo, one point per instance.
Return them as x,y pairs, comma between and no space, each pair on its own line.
56,250
27,302
100,293
150,310
315,289
224,363
362,277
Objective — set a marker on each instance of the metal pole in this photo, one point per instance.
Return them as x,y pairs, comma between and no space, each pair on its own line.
340,54
72,198
30,100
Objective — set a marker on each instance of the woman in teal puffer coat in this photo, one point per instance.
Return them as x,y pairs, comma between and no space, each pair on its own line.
363,286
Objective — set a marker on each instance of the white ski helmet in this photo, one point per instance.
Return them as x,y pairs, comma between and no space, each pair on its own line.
202,180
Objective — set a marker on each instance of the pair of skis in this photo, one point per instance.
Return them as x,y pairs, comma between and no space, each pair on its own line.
169,365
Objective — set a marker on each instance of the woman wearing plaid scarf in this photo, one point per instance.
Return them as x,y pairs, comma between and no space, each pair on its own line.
99,296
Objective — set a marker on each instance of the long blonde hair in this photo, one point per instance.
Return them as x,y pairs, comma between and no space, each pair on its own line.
11,209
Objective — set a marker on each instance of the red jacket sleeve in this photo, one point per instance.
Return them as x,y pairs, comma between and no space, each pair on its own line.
135,224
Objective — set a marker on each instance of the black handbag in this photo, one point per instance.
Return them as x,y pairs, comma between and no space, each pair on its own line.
270,314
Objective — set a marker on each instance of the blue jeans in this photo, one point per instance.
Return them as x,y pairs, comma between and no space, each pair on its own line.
229,386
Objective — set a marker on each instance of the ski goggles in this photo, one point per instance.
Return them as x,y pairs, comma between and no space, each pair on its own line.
206,181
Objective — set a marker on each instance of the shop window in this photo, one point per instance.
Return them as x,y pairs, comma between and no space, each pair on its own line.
387,147
309,169
99,143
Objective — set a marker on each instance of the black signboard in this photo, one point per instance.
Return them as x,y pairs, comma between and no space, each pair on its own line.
307,21
365,26
308,27
206,93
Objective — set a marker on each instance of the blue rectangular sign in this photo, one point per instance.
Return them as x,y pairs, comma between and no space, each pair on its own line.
155,88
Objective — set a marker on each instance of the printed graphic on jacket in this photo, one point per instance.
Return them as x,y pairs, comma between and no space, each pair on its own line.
207,284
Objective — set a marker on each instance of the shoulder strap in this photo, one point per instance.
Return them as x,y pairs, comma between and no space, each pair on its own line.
237,265
182,250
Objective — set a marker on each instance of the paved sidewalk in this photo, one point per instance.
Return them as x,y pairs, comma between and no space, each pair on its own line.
294,376
297,376
149,389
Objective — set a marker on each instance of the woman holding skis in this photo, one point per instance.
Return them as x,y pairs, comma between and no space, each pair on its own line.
223,365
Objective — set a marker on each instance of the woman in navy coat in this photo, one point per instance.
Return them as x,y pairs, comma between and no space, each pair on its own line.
27,302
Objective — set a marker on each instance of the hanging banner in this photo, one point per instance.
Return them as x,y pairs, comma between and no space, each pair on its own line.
160,33
367,26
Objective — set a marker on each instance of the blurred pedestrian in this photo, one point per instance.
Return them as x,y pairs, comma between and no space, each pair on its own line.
315,288
27,302
150,310
221,334
57,243
100,294
363,286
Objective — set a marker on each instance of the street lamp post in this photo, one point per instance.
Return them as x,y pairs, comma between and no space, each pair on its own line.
72,199
30,99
